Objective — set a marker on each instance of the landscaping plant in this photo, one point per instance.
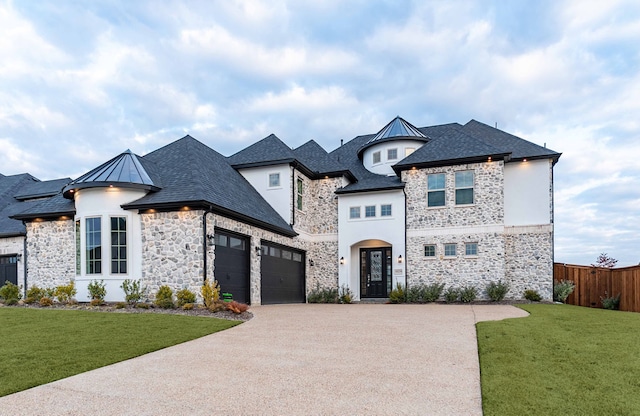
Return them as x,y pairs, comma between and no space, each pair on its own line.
236,307
432,292
133,291
164,297
34,294
210,292
451,295
497,290
468,294
65,293
97,292
397,295
612,303
346,296
532,295
415,293
10,293
562,290
185,296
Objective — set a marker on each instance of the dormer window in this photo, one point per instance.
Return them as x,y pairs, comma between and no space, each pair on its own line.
392,154
274,180
376,157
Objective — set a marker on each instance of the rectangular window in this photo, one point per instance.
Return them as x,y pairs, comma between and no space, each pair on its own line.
464,187
354,212
435,190
93,243
274,180
78,248
274,252
118,245
392,154
236,243
471,249
370,211
385,210
376,157
300,189
297,257
430,250
408,151
449,250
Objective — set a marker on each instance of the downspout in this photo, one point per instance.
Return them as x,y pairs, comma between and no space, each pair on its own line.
293,195
204,242
553,233
24,259
406,257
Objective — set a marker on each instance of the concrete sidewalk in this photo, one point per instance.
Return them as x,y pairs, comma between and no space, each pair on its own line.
294,360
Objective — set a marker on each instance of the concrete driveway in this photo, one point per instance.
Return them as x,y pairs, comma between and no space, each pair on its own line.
294,360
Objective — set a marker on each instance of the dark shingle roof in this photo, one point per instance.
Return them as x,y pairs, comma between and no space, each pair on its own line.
41,189
52,207
268,151
312,156
193,174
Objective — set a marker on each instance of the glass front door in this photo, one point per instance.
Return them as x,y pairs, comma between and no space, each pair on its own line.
375,272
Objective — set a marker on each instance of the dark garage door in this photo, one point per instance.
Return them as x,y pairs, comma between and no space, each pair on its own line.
282,274
231,265
8,269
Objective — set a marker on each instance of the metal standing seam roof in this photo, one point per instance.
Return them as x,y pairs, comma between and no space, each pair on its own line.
396,129
125,170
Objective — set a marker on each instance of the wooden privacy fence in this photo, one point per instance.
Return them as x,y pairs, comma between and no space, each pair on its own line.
595,282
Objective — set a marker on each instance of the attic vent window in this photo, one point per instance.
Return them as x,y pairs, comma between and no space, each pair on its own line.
274,180
392,154
376,157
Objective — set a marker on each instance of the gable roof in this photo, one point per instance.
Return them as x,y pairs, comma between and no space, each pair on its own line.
195,175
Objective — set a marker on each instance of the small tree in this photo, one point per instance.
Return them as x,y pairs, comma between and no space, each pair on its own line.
605,261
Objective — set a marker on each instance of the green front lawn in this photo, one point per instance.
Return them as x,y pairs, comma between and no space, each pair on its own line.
564,360
40,345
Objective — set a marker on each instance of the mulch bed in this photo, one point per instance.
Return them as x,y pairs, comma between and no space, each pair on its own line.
111,307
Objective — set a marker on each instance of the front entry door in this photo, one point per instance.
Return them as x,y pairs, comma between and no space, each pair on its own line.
375,272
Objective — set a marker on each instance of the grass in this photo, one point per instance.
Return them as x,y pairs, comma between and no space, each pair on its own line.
562,359
39,346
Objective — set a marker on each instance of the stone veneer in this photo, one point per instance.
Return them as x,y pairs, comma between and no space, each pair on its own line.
319,214
529,260
51,253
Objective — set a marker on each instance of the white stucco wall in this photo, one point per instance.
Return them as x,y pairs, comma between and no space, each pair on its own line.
278,197
527,192
370,232
384,167
105,203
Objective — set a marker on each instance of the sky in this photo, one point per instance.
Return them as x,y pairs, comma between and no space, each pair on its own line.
81,82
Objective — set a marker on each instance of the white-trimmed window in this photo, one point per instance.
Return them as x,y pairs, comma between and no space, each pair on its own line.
464,187
274,180
299,192
435,190
354,212
450,250
93,243
118,245
376,157
370,211
408,151
471,249
385,210
392,154
430,250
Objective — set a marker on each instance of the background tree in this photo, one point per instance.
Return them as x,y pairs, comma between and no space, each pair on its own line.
605,261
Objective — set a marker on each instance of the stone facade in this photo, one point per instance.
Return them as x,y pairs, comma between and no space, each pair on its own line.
319,214
172,250
529,260
51,253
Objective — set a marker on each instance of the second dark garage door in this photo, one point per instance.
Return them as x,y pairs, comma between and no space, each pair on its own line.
282,274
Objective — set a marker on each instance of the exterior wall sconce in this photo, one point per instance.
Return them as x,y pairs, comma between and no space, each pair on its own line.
258,251
18,256
311,263
211,239
341,260
400,258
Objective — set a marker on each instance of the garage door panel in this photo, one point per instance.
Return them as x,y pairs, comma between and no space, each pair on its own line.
282,275
231,265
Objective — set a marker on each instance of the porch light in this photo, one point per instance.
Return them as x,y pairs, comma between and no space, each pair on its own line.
400,258
311,263
341,260
259,251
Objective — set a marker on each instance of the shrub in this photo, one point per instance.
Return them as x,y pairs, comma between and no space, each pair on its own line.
218,306
532,295
346,296
11,301
210,292
187,306
451,294
97,290
96,302
497,290
415,294
432,292
323,295
468,294
397,295
49,292
65,293
164,297
236,307
143,305
121,305
45,301
612,303
133,291
562,290
34,294
185,296
10,292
